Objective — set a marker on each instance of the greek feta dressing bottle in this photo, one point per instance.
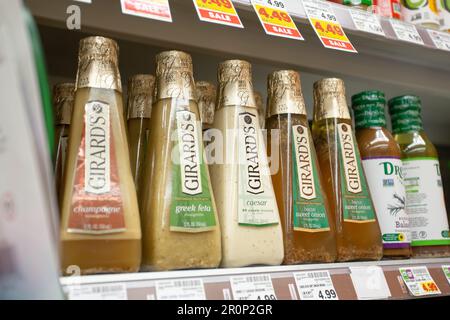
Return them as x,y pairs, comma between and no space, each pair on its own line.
425,203
381,158
63,96
100,229
180,224
308,227
357,230
140,99
251,230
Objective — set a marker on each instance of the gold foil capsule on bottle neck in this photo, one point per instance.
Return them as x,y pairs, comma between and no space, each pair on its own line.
206,100
174,76
329,99
235,84
259,102
63,100
98,64
285,93
140,96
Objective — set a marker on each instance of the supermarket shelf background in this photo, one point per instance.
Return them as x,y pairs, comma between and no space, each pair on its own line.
387,64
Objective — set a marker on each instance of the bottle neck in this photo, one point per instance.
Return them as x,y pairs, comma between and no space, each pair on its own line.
236,93
369,116
101,74
406,124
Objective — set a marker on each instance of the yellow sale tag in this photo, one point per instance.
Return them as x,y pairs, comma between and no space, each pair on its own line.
329,29
218,11
217,5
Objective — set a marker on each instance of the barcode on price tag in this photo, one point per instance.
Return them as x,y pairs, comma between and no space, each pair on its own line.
366,21
419,281
254,287
440,39
182,289
150,9
406,31
218,11
446,270
116,291
315,285
326,25
275,19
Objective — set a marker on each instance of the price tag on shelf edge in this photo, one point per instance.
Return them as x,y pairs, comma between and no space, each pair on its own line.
218,11
326,25
446,270
275,19
150,9
109,291
315,285
369,282
406,31
440,39
252,287
367,22
180,289
419,281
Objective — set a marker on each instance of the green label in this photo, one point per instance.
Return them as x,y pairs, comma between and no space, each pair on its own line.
192,206
356,203
309,210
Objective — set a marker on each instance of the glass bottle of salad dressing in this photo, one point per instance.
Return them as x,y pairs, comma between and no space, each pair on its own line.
308,226
180,224
63,96
357,230
381,158
251,230
100,229
140,99
425,203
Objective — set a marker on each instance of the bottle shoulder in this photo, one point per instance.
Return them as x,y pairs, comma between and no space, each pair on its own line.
377,142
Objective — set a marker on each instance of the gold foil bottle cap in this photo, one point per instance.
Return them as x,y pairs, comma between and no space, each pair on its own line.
98,64
235,84
140,96
63,100
329,99
206,100
174,76
285,93
259,102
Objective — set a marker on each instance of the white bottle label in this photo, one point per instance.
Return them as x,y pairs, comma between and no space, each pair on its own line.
385,179
257,206
425,204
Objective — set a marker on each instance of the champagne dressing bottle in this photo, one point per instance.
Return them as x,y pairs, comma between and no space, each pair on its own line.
63,96
180,223
100,229
308,226
251,230
357,231
425,204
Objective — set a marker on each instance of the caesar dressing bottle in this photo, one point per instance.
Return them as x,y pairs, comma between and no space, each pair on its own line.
180,224
140,99
358,234
381,159
260,107
425,203
63,96
251,230
100,229
308,227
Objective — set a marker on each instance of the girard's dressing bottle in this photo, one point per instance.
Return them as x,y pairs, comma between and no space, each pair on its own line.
180,223
100,229
357,230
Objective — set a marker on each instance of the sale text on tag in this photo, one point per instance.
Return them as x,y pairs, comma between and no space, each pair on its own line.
440,39
218,11
150,9
275,20
419,281
406,31
253,287
181,289
114,291
315,285
366,21
326,25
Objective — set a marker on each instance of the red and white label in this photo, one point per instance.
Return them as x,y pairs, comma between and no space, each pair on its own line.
218,11
150,9
275,19
97,206
326,25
